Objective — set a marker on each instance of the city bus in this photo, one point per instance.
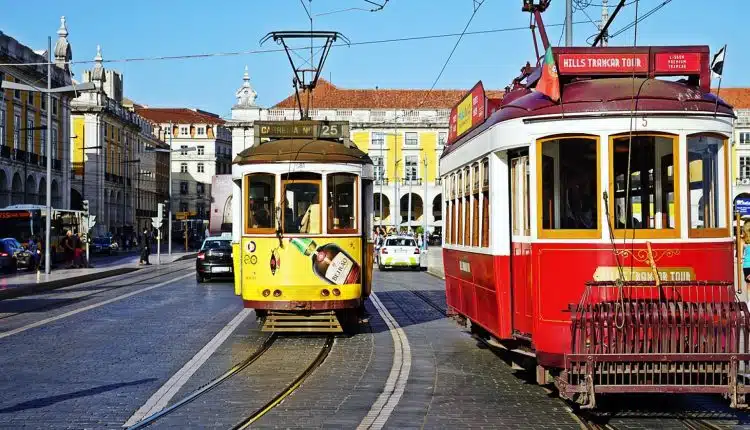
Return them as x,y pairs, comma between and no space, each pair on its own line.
22,222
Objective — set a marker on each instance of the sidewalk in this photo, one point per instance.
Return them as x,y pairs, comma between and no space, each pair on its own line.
26,283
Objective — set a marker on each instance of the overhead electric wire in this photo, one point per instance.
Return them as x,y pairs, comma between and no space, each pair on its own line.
267,51
639,19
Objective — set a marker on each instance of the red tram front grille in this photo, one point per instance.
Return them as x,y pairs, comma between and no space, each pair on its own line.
679,337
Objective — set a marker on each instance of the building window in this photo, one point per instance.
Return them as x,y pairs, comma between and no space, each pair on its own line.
342,203
379,167
705,170
30,135
201,149
377,138
201,131
200,208
183,187
411,138
745,168
183,168
200,168
54,106
183,207
200,188
44,102
43,141
442,138
652,197
16,131
54,144
568,191
17,93
745,138
411,172
184,130
183,150
2,124
30,99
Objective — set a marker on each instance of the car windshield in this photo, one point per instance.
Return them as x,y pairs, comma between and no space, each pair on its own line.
216,244
400,242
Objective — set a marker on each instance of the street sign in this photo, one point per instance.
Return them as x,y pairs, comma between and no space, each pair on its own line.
88,221
156,222
742,206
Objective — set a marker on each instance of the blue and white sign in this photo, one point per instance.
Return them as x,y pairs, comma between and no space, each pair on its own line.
742,205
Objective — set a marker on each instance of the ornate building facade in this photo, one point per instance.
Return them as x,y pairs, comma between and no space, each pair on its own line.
23,125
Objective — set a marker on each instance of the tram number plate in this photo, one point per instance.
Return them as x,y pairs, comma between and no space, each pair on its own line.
219,269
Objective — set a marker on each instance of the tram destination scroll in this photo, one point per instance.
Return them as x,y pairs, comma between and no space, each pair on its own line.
272,130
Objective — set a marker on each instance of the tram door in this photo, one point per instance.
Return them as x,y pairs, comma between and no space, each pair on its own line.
520,249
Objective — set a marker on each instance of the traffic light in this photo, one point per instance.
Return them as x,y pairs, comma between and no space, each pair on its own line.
86,206
162,210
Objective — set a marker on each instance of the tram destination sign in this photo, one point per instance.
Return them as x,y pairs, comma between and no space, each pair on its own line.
604,63
301,129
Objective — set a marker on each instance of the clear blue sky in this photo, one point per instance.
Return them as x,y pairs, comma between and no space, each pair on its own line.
140,28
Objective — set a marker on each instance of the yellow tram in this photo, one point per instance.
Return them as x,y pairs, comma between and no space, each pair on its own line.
302,258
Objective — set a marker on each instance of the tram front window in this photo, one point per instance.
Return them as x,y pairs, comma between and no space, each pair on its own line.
260,202
341,203
301,205
569,184
651,197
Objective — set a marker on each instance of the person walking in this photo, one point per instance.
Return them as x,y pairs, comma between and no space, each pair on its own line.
145,248
68,245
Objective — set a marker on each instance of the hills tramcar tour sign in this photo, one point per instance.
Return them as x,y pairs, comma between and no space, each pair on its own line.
468,113
663,60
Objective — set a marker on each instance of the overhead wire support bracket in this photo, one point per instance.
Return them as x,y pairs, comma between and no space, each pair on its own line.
603,32
299,81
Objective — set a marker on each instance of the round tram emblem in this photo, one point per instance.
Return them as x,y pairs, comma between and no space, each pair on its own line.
251,246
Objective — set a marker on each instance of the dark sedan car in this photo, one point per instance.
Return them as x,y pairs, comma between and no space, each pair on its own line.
214,259
8,261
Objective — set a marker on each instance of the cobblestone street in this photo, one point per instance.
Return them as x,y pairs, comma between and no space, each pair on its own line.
100,354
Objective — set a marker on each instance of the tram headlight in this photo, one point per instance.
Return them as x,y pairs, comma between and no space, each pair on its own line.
277,293
266,293
324,293
336,292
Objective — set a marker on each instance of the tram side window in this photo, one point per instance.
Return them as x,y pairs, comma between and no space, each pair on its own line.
475,206
260,189
569,184
466,192
644,198
485,203
301,203
705,155
342,203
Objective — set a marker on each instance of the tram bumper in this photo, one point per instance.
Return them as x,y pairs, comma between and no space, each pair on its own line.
639,337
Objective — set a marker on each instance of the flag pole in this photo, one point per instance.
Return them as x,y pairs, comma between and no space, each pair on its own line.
718,90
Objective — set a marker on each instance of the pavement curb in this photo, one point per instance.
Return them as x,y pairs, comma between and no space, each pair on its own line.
13,291
436,274
187,257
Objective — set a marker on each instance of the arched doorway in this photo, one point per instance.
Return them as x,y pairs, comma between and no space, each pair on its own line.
56,202
226,218
386,209
4,191
29,196
417,209
16,197
42,191
437,207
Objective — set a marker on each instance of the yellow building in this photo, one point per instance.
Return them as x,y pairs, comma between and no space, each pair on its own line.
23,126
403,131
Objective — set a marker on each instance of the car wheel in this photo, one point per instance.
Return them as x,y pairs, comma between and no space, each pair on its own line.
198,278
381,267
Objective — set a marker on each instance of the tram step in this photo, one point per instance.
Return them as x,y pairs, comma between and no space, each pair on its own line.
322,322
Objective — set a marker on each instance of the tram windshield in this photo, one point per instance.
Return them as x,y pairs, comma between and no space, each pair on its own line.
301,205
341,202
650,199
704,165
260,204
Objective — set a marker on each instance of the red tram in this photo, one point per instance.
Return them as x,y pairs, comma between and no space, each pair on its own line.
559,215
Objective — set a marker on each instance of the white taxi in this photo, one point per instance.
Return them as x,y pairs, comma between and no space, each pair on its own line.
400,251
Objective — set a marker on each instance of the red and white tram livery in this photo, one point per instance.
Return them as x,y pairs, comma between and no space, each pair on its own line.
558,215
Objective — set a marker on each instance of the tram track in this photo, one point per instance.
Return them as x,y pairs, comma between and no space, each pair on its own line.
65,302
585,419
236,369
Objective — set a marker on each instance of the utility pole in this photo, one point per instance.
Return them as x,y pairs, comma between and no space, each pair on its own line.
48,221
424,205
169,204
605,18
568,22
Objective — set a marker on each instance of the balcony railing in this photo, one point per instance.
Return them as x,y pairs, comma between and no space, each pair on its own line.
743,181
381,181
412,181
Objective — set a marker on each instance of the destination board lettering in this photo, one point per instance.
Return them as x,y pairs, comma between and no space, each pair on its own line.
15,215
602,63
677,62
302,129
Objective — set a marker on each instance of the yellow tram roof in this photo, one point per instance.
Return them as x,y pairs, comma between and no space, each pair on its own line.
302,151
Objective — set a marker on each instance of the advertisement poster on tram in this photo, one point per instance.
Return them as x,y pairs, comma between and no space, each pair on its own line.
468,113
302,261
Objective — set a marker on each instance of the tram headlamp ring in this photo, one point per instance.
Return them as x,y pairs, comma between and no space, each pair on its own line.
324,293
266,293
336,292
277,293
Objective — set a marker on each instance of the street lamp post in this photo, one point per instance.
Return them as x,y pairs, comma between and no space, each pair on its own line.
86,86
424,204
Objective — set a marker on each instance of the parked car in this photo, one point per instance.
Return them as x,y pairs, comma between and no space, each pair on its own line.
104,245
214,259
8,259
400,251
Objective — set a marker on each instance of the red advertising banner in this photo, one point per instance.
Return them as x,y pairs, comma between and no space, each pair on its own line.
468,113
670,62
592,63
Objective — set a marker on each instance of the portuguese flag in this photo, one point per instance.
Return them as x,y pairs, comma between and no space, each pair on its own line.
549,84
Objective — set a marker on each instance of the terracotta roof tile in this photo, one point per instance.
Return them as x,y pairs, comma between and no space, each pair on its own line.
178,115
328,96
738,98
